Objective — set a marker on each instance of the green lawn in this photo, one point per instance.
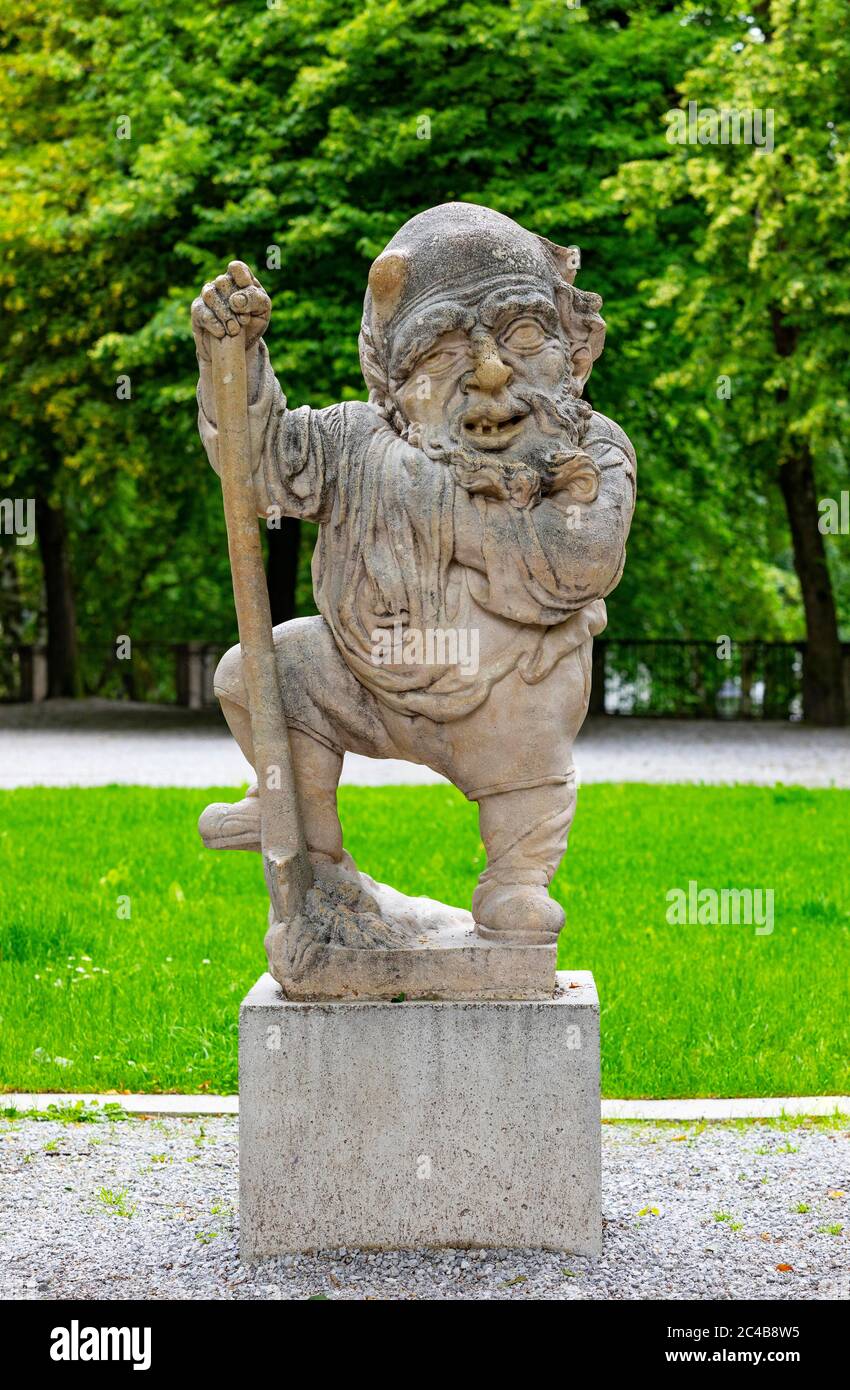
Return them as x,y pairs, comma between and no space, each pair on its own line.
150,1003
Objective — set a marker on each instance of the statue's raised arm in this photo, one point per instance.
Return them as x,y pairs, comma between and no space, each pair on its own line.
285,444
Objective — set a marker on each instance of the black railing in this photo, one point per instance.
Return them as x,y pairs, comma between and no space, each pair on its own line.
666,677
160,672
701,680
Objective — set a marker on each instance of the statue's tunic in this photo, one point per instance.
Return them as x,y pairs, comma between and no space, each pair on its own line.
403,547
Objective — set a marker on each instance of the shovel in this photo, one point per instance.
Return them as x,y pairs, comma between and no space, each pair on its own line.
285,861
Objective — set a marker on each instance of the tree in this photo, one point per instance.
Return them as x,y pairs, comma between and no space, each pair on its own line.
525,106
763,294
143,149
90,211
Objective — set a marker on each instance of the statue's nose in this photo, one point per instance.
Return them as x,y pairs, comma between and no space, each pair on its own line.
489,372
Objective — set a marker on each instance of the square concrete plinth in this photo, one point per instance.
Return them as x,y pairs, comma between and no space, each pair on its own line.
381,1125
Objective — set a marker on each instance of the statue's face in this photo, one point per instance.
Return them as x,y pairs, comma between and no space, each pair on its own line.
492,385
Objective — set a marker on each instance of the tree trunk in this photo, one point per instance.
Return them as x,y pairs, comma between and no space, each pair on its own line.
282,567
597,683
63,675
11,620
823,684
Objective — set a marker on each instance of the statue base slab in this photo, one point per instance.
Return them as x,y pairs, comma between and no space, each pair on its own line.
378,1125
434,953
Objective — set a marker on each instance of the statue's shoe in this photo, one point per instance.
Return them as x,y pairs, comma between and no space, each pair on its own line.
516,912
236,825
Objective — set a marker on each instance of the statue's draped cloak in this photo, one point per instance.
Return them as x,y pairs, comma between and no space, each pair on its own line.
403,547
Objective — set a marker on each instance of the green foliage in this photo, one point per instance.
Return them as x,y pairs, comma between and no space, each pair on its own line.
760,293
317,129
78,1112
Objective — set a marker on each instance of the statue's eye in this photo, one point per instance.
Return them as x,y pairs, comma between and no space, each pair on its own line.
524,335
437,361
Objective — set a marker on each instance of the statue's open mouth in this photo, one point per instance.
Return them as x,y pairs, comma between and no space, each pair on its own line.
491,430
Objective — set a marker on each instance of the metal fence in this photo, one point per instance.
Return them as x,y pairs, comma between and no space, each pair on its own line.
665,677
699,680
160,672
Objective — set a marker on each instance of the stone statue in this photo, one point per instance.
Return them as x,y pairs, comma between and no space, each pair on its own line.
472,517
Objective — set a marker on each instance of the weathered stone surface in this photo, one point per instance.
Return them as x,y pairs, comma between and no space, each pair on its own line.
467,966
438,1124
472,518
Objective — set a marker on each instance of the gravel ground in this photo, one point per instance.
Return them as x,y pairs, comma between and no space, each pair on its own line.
89,743
147,1209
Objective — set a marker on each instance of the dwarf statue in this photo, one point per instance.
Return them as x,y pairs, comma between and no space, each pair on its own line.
472,517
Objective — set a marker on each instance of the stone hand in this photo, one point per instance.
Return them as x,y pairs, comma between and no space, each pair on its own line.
233,300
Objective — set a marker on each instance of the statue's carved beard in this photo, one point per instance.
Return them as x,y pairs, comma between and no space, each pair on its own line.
546,459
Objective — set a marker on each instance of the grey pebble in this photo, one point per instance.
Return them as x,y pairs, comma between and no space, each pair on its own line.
59,1239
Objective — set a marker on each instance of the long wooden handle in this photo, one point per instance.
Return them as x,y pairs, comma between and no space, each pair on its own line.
285,859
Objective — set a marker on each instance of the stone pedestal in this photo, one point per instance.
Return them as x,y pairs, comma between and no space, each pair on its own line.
390,1125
